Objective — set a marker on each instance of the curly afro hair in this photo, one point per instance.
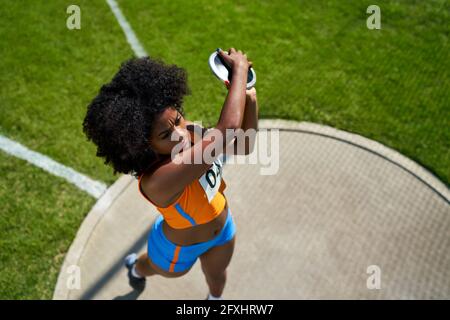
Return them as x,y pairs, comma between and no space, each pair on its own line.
120,118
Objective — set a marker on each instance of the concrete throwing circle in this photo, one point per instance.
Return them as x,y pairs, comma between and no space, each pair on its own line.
343,217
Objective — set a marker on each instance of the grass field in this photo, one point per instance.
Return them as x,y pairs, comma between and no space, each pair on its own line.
315,61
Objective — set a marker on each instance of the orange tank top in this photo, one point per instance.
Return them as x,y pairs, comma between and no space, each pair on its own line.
201,201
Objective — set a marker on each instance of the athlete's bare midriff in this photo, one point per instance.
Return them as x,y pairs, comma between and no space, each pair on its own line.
196,234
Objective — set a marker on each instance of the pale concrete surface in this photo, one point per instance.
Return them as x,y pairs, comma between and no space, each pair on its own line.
338,204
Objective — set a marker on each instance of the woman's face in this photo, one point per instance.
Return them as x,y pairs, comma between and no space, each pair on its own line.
169,123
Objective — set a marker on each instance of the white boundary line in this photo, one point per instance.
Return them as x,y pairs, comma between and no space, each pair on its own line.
94,188
138,49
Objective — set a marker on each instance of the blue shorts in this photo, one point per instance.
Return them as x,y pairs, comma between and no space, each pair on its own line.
173,258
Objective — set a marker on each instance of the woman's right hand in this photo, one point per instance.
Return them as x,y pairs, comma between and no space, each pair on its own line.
236,59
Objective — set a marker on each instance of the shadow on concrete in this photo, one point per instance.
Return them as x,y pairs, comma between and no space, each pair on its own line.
133,295
100,283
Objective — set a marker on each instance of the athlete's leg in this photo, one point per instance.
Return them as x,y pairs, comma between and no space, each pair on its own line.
150,263
143,266
214,263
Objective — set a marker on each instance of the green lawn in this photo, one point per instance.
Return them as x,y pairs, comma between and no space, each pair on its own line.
49,74
40,215
315,61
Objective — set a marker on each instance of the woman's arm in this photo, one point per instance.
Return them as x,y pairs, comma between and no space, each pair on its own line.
250,121
169,179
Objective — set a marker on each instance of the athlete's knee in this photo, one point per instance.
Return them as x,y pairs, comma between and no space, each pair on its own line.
144,267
